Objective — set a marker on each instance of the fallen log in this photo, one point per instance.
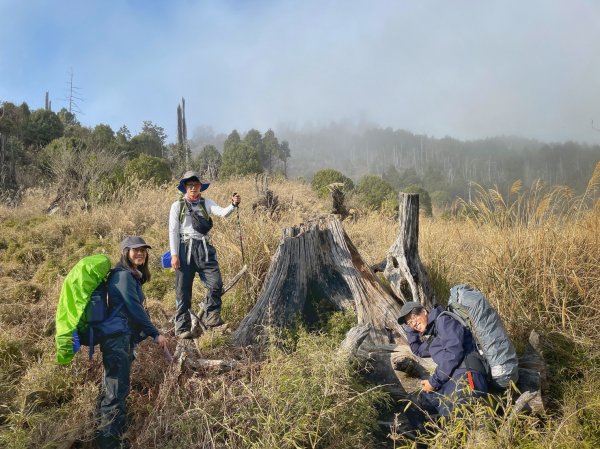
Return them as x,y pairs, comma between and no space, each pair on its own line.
234,280
187,356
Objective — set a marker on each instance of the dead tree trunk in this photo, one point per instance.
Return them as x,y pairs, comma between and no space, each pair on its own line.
404,270
337,200
317,263
267,202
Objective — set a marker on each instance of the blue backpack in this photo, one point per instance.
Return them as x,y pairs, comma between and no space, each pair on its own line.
96,321
472,310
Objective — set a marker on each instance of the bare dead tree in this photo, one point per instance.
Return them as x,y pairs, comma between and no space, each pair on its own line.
267,202
182,142
404,270
73,95
338,205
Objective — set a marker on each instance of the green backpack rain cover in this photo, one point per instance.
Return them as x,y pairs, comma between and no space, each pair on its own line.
75,294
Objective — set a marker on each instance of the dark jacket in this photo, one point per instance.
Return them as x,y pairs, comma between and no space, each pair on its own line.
447,342
124,288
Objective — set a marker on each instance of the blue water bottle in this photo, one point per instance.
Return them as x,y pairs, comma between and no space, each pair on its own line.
166,260
76,342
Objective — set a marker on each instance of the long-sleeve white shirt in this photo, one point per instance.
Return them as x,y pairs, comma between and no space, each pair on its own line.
177,230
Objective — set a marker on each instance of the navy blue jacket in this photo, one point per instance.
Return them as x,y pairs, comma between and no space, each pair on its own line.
449,342
124,288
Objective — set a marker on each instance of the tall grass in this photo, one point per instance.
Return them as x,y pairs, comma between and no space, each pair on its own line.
535,255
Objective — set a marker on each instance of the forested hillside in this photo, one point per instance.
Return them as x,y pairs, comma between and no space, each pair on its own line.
439,164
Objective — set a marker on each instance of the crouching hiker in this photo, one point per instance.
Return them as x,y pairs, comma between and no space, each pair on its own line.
461,371
192,252
125,294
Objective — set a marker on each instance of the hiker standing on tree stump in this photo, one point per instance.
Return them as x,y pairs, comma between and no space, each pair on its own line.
191,252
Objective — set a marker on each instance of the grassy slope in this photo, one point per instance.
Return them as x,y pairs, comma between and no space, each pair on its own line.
543,276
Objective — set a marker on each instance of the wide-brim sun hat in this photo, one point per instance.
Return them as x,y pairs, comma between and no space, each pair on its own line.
134,241
406,309
188,176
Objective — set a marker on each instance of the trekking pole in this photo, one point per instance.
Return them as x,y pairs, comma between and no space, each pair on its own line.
240,231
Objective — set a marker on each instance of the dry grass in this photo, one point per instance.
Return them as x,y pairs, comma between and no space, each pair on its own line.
536,255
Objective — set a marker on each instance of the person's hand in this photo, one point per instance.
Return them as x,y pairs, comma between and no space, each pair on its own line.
426,386
162,342
236,199
175,263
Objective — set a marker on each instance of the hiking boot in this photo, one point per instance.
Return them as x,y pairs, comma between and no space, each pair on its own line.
213,319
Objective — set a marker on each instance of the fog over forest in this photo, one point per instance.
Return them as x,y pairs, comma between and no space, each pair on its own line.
404,158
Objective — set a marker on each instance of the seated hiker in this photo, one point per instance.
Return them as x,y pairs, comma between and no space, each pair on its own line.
460,372
192,252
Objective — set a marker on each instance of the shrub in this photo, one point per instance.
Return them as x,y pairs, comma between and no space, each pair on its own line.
148,168
78,167
389,206
323,178
441,199
208,162
372,191
240,159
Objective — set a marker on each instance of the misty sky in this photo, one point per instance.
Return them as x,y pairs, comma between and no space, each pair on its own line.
468,69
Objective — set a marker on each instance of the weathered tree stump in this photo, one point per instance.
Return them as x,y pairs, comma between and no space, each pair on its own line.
404,270
317,262
267,202
338,198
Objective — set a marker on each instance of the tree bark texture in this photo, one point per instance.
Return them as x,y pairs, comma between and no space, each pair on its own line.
404,270
316,264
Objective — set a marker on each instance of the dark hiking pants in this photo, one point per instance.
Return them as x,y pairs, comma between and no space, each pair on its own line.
455,392
117,355
203,260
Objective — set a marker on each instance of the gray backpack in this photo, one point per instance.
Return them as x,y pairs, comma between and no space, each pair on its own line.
468,305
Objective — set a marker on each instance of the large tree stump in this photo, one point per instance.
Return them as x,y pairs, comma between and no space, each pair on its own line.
317,262
404,270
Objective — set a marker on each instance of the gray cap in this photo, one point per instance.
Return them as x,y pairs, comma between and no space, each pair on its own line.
134,241
189,175
406,309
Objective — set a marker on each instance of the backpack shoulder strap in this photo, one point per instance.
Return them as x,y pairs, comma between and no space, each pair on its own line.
454,315
202,205
120,306
182,204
